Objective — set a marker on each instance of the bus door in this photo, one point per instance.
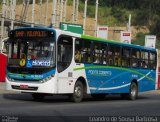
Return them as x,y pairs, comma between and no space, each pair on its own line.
64,58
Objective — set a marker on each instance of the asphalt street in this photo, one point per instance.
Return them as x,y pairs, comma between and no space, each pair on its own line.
14,104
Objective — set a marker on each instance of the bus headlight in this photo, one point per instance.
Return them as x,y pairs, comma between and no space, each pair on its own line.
10,79
47,79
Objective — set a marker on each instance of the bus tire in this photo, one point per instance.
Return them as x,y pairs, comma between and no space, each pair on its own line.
37,96
77,95
133,92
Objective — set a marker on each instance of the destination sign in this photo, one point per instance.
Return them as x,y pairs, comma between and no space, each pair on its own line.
31,33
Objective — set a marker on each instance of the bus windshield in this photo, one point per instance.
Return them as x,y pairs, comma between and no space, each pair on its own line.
37,52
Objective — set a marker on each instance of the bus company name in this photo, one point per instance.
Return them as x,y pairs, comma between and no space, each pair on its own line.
99,73
40,63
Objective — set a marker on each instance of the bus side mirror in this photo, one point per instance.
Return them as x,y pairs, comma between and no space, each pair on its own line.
4,45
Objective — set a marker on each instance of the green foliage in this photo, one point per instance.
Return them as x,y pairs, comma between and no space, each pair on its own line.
155,29
140,39
70,2
91,11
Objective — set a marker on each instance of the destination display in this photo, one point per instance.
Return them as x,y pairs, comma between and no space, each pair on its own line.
31,33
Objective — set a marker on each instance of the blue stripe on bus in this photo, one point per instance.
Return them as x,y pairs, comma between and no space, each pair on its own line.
112,80
30,76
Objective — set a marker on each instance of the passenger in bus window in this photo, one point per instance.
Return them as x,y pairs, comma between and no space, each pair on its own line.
78,56
144,65
104,60
97,60
34,55
110,59
117,59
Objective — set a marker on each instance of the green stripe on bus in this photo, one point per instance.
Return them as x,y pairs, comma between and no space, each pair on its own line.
99,39
111,67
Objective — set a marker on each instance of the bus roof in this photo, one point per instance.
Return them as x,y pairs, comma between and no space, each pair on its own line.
36,27
117,43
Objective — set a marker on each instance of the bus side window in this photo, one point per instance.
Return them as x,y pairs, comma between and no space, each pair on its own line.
110,54
144,59
86,51
135,58
97,55
104,54
117,58
78,49
152,60
126,60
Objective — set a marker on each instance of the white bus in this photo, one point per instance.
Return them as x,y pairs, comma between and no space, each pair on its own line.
47,61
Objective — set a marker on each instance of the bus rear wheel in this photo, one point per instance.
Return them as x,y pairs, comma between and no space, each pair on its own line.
77,95
133,91
37,96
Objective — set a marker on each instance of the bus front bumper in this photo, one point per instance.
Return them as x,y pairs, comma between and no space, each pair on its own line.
48,87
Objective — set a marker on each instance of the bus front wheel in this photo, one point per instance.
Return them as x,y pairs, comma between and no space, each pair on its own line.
77,95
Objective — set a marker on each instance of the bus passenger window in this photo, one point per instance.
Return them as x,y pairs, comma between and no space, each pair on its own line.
144,59
126,60
85,51
110,54
152,60
135,58
97,53
96,60
77,56
110,58
117,60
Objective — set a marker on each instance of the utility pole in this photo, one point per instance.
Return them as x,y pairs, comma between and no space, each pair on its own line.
73,11
65,10
53,23
46,13
96,15
84,17
129,23
13,14
2,20
33,12
40,11
61,10
11,8
27,18
76,16
58,12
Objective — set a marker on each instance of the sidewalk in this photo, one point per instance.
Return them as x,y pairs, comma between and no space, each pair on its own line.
3,88
2,85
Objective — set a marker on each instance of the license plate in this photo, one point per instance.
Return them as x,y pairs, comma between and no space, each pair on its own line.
24,86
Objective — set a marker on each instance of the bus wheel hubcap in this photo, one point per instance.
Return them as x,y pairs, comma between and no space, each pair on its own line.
78,91
133,92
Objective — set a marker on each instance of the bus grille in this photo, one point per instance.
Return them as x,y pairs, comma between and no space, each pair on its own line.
29,88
